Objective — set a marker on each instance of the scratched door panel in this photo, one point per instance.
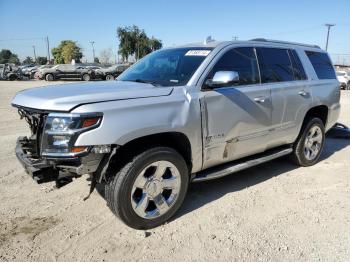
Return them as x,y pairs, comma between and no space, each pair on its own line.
237,123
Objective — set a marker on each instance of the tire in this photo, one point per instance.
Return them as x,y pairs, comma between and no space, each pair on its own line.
12,77
86,77
109,77
136,193
49,77
308,147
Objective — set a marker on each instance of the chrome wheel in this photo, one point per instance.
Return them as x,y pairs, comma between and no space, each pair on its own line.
313,143
155,189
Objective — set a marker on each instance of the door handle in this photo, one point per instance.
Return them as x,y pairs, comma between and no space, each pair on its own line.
303,93
260,99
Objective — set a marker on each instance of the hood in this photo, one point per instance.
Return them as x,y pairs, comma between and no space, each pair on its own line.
67,96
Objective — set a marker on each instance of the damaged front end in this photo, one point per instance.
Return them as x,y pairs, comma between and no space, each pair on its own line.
49,153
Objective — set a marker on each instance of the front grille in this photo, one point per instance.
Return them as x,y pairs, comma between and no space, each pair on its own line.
36,120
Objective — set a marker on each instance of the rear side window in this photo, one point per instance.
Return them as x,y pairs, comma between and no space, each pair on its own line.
322,65
275,65
298,69
243,61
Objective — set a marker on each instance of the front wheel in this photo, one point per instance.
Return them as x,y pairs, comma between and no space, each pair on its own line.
308,147
109,77
86,77
49,77
149,189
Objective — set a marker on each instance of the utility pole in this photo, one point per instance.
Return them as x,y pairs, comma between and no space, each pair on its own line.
93,50
48,49
34,53
235,38
328,29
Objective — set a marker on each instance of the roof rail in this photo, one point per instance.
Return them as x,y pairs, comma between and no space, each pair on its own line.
283,42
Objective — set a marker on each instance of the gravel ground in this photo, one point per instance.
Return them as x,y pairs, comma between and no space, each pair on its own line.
274,212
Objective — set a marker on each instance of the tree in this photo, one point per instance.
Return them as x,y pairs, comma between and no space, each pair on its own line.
57,54
41,60
6,56
66,51
155,43
134,41
28,61
106,55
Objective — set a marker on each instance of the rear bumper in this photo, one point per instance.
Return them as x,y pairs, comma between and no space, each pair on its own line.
333,115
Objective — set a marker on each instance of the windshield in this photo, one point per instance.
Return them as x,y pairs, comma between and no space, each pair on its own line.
168,67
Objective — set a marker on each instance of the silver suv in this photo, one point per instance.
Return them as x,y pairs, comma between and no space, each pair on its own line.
181,115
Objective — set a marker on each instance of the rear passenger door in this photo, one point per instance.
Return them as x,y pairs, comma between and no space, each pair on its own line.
282,71
236,118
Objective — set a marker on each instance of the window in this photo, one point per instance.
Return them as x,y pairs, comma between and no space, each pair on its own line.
275,65
322,65
243,61
298,69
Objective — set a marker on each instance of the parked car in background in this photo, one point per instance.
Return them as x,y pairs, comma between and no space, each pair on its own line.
344,79
184,114
67,72
37,72
111,72
29,70
10,72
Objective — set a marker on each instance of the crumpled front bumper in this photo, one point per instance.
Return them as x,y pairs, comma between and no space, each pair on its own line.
39,169
49,169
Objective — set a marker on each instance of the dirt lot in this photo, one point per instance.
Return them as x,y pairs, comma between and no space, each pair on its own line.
274,212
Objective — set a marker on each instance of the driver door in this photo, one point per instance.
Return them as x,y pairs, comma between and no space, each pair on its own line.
236,118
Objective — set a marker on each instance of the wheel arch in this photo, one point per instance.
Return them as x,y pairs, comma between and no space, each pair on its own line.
176,140
319,111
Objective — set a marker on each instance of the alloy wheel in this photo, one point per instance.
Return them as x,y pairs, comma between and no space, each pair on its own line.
155,189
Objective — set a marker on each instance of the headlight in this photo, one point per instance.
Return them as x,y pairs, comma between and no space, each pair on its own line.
62,130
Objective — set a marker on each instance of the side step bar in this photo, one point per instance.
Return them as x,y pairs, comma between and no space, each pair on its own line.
238,165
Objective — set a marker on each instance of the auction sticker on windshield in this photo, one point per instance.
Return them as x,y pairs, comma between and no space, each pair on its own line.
197,53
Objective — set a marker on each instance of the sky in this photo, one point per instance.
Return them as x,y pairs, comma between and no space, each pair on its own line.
26,23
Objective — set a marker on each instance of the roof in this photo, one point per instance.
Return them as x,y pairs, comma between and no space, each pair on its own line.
258,41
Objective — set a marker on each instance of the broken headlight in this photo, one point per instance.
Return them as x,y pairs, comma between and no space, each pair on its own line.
61,131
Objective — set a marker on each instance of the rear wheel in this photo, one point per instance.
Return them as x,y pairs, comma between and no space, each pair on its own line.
149,189
109,77
309,145
49,77
86,77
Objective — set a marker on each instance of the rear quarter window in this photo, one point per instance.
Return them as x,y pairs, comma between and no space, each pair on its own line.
322,65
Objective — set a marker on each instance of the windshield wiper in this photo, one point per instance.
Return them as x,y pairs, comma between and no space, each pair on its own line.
146,82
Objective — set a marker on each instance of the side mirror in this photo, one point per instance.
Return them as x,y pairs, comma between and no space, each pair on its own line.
223,78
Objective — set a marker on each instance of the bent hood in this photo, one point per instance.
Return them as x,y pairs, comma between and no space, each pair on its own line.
67,96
